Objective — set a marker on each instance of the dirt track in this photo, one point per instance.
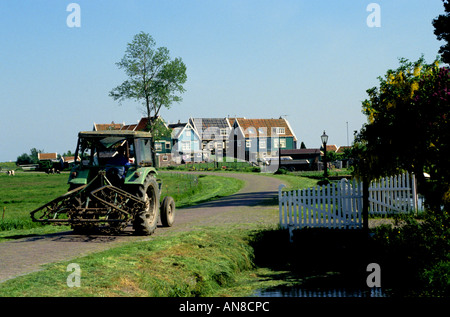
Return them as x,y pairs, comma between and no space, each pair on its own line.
26,255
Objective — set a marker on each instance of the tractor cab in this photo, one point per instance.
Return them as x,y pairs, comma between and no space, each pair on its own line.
122,155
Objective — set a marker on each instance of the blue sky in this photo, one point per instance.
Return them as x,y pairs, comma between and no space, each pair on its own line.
311,61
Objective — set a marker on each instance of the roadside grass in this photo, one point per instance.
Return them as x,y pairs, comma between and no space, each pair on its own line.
293,182
24,192
197,263
189,189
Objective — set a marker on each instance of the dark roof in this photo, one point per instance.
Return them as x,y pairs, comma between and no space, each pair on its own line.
300,151
176,125
205,123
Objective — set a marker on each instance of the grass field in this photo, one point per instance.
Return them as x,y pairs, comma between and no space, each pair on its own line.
24,192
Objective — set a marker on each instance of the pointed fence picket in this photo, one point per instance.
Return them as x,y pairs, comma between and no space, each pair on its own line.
339,205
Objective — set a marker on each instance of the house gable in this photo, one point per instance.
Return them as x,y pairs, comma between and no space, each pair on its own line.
211,128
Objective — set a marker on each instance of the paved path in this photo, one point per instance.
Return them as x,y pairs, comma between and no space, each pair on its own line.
27,255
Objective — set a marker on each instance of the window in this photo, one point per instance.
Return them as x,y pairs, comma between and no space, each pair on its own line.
280,130
143,152
248,143
282,143
158,146
165,158
188,132
167,145
186,145
276,143
262,144
223,132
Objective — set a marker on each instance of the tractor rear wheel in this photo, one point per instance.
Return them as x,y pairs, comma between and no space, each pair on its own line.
167,211
146,220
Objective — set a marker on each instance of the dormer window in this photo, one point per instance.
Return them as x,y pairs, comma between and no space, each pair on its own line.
280,130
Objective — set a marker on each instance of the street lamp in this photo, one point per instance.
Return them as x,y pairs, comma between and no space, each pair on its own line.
324,139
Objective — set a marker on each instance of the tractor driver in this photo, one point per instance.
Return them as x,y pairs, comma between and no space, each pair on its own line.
118,164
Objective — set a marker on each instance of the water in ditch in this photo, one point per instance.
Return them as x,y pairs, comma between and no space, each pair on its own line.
301,291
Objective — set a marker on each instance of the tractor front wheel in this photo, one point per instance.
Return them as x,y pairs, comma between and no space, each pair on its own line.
146,220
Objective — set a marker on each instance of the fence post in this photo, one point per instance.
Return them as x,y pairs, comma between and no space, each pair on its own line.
365,209
414,194
280,198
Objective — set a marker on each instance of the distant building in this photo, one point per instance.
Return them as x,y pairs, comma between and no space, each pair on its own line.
214,134
186,143
260,138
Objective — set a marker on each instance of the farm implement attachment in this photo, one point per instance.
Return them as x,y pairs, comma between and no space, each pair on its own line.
86,205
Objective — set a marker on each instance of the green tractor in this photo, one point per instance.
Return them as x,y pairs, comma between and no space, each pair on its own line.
112,184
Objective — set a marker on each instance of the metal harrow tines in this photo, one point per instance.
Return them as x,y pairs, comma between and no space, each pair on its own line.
119,200
59,206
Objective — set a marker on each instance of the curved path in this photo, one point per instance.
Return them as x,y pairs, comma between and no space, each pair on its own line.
249,205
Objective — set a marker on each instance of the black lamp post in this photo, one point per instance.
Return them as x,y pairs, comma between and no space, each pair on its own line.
324,139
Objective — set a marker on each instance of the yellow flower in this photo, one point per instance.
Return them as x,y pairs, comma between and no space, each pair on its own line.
417,71
414,87
391,79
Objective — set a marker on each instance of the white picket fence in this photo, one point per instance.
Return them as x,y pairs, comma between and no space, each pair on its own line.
339,205
395,194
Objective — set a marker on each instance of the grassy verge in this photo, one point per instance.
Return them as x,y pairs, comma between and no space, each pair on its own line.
196,263
207,187
294,182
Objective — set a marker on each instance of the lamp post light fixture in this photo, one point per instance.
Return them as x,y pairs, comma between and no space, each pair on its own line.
324,139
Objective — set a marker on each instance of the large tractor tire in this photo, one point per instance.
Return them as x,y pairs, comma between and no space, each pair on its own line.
167,211
146,220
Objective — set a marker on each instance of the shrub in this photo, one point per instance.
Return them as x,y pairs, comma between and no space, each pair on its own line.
415,254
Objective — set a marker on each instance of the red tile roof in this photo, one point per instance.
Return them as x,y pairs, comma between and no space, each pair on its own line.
107,126
264,127
332,148
47,156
